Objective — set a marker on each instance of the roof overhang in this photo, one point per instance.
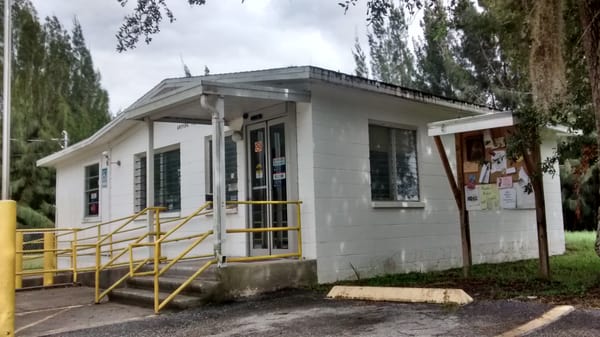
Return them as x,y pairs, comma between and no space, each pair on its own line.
183,104
113,129
488,121
474,123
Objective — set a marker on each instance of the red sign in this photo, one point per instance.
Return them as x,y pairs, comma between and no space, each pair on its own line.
258,146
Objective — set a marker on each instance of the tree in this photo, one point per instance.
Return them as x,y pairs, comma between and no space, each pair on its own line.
437,68
544,27
391,59
589,14
55,88
360,59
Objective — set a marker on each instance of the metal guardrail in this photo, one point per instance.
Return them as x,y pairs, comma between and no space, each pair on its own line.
157,271
116,254
119,244
297,229
39,249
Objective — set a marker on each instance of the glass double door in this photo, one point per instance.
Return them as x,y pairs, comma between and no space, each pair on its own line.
268,173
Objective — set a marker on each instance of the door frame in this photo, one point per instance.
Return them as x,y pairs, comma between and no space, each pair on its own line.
289,120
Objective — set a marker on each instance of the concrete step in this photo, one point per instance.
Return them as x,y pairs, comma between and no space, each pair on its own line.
186,269
170,283
145,297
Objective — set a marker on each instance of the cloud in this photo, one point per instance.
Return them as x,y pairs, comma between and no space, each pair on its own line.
224,35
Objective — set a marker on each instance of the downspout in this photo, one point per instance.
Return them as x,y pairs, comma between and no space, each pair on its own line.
150,182
216,106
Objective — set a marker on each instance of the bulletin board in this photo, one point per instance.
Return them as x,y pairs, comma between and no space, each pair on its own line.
491,180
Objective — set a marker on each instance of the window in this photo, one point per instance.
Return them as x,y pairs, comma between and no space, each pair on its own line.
167,181
393,159
231,179
92,192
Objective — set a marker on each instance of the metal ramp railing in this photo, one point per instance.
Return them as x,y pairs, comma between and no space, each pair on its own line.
39,250
120,248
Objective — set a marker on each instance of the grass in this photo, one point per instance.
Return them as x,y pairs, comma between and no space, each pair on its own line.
575,277
33,262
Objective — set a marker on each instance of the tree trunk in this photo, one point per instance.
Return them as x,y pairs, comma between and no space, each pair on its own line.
589,13
548,86
546,62
533,162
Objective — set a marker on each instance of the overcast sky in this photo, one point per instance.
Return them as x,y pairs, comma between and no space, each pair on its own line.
225,35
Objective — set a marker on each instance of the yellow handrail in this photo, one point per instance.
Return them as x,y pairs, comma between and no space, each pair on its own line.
185,221
130,220
157,271
297,228
113,258
115,245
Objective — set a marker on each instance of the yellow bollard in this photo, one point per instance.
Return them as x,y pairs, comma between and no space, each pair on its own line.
19,260
74,255
8,227
49,258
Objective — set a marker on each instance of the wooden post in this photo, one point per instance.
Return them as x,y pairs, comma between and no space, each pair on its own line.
449,175
533,164
465,231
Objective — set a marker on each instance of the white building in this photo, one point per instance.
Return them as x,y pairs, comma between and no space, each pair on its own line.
300,133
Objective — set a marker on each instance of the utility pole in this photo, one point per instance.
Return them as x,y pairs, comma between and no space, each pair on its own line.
8,208
6,100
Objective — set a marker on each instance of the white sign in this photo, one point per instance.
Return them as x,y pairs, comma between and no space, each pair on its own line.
499,161
472,200
279,161
524,199
508,198
279,176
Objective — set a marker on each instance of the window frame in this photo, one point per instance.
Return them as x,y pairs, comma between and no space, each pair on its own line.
137,207
397,203
87,191
208,168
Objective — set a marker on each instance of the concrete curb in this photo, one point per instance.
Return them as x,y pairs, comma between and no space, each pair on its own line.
412,295
546,319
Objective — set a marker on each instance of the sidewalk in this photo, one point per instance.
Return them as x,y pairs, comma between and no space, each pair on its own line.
54,311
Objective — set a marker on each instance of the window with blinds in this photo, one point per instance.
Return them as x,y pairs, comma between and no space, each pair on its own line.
393,160
167,180
231,176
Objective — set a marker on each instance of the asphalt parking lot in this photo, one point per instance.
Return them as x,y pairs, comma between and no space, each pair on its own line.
304,313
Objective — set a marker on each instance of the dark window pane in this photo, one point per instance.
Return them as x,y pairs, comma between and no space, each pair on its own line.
167,167
167,181
92,192
379,157
407,182
393,161
140,183
231,179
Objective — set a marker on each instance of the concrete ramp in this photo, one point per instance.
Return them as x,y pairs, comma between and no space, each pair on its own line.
59,310
252,278
393,294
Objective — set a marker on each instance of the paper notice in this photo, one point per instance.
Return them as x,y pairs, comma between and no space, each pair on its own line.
484,176
487,139
499,161
524,199
511,170
472,198
523,178
489,197
504,182
508,198
500,142
471,180
471,166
